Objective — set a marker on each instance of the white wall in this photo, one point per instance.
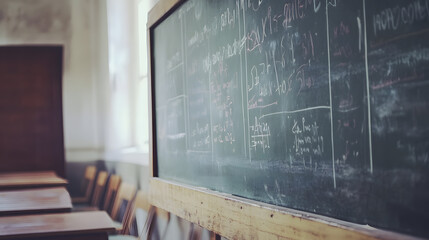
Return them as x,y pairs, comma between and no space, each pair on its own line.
88,67
76,25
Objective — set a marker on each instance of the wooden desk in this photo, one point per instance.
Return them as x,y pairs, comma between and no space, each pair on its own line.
60,226
22,180
31,201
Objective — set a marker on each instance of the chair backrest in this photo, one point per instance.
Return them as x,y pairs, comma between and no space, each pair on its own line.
123,202
163,219
196,232
112,190
99,188
156,226
141,201
88,181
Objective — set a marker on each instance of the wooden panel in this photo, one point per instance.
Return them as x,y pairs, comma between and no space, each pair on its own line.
31,124
56,226
237,218
45,200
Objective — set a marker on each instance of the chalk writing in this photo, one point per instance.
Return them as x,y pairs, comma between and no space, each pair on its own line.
307,139
295,100
393,18
260,134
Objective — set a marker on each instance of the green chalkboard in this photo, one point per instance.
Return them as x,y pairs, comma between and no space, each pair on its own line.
320,106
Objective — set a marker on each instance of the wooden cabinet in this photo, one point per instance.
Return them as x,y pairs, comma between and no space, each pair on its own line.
31,122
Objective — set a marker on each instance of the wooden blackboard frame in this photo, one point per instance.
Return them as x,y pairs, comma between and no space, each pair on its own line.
230,216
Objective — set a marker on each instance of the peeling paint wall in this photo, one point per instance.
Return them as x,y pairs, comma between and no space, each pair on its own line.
25,21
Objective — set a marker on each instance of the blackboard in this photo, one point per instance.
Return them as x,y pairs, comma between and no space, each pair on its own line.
314,105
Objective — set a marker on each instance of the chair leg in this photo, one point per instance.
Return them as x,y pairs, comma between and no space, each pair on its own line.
196,232
166,226
191,230
127,220
147,228
214,236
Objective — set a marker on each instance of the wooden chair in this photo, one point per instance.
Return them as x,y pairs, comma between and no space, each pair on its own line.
97,195
87,186
122,206
163,218
111,192
99,188
214,236
141,202
196,232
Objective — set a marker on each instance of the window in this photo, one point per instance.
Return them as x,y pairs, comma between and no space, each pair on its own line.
142,105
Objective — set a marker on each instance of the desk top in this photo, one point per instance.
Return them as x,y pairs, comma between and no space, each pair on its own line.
59,224
21,180
30,201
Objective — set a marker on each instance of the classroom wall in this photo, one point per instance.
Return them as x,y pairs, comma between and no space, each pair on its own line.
100,67
100,57
75,25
